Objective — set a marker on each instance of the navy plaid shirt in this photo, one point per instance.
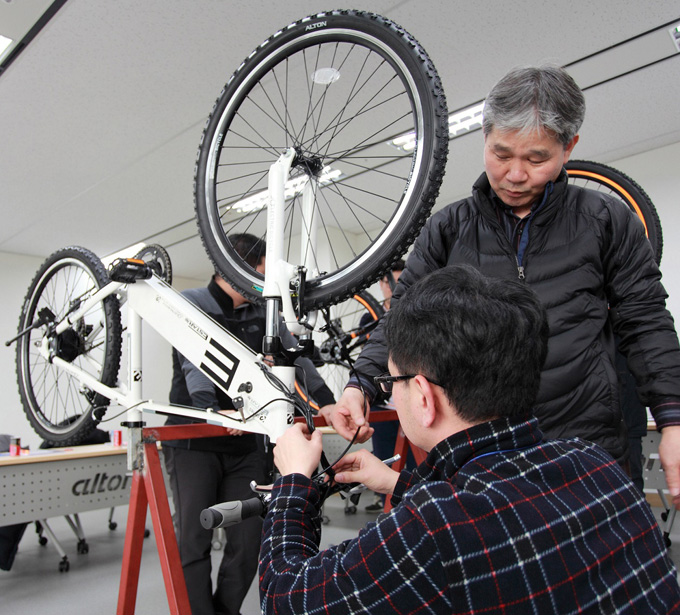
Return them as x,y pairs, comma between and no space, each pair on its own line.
494,521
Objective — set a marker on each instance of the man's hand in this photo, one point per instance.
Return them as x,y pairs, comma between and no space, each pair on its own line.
234,432
325,413
348,414
297,451
669,454
231,431
362,467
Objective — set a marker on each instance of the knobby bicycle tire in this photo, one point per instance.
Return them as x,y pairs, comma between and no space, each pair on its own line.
59,408
337,87
603,178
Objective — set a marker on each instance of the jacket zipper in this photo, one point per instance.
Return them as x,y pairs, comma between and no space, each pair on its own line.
524,241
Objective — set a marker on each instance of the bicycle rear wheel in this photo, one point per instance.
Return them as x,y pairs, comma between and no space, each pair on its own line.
338,87
349,326
600,177
60,409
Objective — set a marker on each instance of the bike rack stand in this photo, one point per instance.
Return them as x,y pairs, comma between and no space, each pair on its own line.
148,490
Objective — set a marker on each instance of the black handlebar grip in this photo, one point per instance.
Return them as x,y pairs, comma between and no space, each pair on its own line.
230,513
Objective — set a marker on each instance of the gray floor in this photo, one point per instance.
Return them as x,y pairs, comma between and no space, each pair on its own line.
35,585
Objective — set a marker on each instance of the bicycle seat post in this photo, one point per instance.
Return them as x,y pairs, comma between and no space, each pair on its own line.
133,420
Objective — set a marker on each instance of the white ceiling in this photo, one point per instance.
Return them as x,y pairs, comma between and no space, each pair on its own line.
101,115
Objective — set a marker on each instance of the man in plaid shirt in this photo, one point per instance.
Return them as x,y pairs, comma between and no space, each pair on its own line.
497,519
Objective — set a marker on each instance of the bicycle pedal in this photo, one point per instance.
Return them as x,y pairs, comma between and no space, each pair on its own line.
128,270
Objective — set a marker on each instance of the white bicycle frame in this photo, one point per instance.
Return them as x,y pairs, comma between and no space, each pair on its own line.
263,404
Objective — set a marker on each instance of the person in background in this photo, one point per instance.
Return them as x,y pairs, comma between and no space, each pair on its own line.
206,471
497,519
582,252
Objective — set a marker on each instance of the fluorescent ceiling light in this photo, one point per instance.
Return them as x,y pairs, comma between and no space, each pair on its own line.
294,186
460,123
675,35
466,120
4,44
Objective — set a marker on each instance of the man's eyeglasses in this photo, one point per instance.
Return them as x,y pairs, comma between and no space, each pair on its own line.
385,381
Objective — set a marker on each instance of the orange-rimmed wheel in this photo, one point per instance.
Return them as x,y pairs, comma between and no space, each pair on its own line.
348,326
603,178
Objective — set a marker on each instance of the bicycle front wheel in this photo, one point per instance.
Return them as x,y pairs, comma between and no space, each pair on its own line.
361,104
60,409
603,178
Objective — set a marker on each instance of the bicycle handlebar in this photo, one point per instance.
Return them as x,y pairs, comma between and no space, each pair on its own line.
230,513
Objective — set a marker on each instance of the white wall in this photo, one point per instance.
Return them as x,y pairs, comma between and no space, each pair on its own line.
656,171
17,273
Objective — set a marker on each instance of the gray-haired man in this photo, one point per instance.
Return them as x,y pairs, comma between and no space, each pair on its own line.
585,256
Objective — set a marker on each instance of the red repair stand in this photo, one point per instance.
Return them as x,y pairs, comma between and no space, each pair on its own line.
148,490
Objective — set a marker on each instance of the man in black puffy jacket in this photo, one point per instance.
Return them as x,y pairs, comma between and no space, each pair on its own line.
582,252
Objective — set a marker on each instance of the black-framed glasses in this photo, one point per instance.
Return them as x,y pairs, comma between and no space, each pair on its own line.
385,381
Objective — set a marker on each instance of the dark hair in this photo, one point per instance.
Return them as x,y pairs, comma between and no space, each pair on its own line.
397,265
250,248
483,339
536,98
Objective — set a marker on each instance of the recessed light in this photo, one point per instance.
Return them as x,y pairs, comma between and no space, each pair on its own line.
5,44
325,76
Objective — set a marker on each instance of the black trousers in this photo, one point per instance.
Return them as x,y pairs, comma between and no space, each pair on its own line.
199,479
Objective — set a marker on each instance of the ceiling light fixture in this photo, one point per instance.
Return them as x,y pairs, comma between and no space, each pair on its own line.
325,76
460,123
675,35
5,44
294,186
466,120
